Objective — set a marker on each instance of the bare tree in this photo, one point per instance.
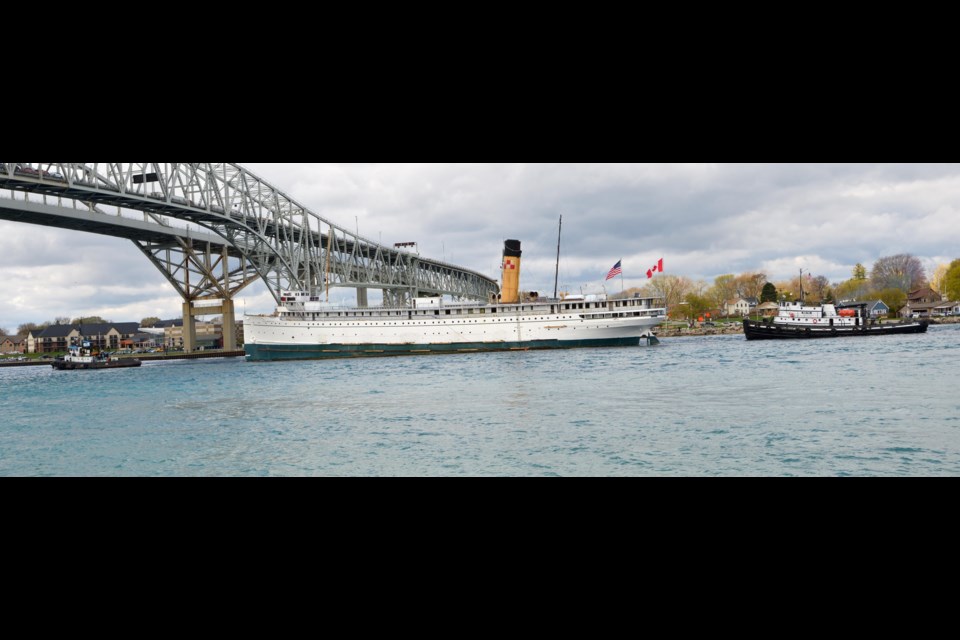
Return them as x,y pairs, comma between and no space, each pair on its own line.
671,289
902,271
819,287
750,285
698,287
27,327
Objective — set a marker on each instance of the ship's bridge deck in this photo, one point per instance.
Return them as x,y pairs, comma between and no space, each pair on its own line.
301,306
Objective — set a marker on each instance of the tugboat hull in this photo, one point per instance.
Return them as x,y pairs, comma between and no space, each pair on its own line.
772,331
61,365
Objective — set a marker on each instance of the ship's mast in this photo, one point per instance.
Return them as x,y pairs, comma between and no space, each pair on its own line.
556,276
801,286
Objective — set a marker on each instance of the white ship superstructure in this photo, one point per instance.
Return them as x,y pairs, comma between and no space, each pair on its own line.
304,328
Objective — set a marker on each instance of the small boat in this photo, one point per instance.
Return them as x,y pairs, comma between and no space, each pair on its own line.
798,321
85,356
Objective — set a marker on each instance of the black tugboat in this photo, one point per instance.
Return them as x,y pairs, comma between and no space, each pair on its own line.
84,356
795,321
798,322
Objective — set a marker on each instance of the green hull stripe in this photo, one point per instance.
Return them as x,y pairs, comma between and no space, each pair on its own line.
263,352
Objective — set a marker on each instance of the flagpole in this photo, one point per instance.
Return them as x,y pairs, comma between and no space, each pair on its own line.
622,286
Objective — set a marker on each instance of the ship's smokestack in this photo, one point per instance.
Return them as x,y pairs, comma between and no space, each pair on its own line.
510,291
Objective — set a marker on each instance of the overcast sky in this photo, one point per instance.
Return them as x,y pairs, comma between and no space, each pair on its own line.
704,219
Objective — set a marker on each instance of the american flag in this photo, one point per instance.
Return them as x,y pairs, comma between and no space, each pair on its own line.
616,271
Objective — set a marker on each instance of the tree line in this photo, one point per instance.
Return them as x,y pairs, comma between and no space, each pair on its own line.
27,327
890,280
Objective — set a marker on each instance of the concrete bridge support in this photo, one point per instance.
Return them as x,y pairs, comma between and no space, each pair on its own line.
226,309
189,328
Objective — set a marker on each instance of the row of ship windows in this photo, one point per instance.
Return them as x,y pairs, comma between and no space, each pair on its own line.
458,312
604,316
469,333
404,324
441,334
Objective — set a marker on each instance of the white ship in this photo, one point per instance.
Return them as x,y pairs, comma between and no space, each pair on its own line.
304,328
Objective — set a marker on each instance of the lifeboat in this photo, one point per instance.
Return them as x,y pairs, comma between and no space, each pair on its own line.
848,313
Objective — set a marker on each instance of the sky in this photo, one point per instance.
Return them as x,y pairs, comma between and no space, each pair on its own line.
703,219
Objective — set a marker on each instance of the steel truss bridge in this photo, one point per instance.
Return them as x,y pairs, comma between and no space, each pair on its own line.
214,228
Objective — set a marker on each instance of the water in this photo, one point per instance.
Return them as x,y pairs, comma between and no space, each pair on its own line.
690,407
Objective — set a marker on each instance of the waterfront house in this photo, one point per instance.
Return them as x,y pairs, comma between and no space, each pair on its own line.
924,295
741,306
770,309
55,338
877,309
58,337
12,344
931,309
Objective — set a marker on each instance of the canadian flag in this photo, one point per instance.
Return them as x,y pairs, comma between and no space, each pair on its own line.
657,268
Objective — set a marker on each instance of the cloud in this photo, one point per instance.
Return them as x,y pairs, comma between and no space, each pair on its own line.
705,219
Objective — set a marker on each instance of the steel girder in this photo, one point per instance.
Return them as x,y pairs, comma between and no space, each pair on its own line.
199,273
290,247
199,264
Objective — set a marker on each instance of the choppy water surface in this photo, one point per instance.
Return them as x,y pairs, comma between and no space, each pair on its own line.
691,406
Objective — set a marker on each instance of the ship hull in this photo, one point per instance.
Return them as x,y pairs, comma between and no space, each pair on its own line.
272,338
272,352
762,331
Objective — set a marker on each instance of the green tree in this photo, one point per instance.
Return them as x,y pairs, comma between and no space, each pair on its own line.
938,277
893,298
149,322
769,293
951,281
90,320
852,289
859,272
726,287
697,306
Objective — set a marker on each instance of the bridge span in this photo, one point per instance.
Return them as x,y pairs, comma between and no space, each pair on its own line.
235,228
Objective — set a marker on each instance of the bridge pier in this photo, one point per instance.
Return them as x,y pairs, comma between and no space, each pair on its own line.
229,326
189,328
226,309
